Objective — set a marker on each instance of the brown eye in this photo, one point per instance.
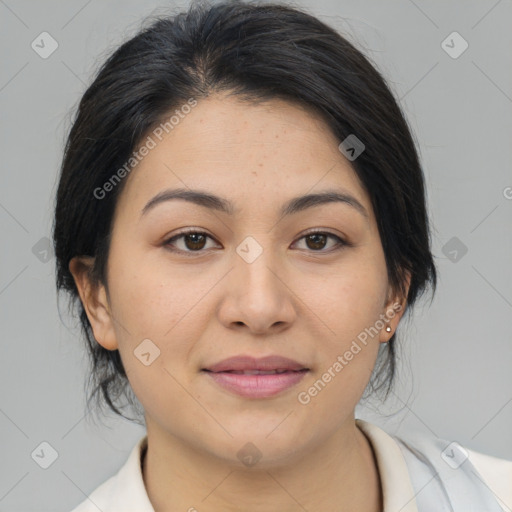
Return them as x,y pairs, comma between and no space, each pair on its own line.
193,241
318,240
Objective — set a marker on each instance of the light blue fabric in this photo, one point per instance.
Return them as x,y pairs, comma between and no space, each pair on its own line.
438,484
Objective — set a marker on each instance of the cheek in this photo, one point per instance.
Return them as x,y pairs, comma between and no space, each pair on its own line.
351,298
150,303
160,318
350,306
146,298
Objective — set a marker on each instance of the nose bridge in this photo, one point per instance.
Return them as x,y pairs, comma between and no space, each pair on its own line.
256,263
256,296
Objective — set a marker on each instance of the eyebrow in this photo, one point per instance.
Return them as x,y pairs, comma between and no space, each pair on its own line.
294,205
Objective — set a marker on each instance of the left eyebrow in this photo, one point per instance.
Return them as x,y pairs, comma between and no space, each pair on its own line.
294,205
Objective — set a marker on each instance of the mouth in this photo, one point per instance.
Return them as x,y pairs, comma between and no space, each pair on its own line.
246,363
250,377
258,372
257,384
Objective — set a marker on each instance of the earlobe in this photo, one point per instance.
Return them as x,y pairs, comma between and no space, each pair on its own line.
95,301
392,315
393,312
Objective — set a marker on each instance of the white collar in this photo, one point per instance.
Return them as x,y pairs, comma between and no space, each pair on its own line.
397,489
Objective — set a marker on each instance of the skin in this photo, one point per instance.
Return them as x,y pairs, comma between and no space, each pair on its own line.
300,298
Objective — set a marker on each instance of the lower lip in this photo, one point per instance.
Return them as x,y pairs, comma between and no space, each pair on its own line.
257,386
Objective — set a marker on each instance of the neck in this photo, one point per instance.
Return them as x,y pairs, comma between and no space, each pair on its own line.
340,475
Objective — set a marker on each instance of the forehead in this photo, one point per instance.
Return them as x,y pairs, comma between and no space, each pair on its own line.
269,151
228,129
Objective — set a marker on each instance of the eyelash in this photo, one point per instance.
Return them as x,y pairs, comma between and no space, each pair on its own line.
168,243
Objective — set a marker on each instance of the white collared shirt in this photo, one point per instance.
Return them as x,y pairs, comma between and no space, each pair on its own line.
413,475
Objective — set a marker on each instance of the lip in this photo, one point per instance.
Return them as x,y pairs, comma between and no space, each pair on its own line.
256,385
244,362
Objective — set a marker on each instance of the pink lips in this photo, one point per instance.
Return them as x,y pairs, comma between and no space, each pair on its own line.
257,378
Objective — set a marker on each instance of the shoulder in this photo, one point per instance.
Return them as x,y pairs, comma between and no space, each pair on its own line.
100,497
123,491
496,473
443,472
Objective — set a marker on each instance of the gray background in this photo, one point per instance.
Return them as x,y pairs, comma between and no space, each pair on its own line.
455,380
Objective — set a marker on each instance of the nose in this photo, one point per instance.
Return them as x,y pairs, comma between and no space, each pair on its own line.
258,296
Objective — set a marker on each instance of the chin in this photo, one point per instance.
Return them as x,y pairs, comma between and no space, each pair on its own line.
262,444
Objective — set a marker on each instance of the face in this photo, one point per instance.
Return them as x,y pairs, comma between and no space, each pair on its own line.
308,283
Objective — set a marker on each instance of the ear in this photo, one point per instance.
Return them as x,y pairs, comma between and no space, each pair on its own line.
394,310
95,302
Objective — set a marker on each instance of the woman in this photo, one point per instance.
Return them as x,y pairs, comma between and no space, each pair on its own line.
241,219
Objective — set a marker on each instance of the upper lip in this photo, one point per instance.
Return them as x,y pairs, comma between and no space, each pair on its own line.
244,362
